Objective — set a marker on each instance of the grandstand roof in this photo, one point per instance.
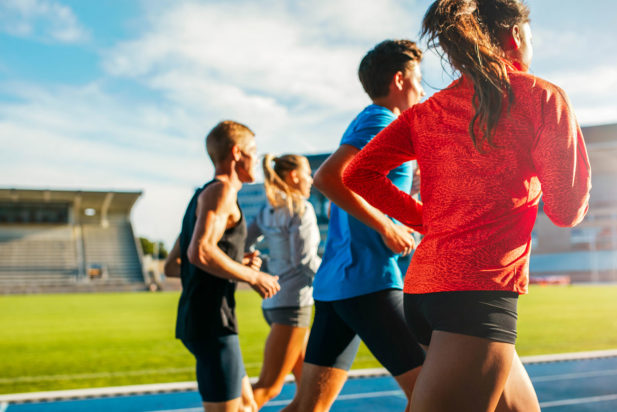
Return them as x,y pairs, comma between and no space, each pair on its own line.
113,201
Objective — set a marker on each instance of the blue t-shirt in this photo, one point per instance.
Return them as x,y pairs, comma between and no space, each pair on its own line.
356,261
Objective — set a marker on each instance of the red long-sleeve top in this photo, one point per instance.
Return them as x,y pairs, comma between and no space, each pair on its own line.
479,207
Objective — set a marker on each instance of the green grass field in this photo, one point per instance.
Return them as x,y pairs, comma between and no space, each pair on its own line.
53,342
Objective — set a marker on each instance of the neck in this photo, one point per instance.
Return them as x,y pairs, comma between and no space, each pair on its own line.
388,104
226,172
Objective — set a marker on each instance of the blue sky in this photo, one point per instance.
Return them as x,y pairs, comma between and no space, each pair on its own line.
119,94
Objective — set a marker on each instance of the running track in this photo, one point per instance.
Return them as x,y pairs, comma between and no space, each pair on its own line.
562,386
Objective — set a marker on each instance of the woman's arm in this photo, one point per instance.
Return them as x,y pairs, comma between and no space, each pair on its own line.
329,181
560,158
367,174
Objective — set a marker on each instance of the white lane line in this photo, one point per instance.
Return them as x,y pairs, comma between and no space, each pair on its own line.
571,356
4,406
282,402
578,401
180,410
349,397
574,375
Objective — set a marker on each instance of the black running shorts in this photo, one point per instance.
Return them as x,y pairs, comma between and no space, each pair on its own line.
219,367
377,319
489,314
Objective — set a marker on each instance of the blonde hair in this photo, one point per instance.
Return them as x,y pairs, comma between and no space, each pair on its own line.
223,137
278,192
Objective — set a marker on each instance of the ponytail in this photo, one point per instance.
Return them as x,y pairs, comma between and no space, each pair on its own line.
468,32
278,192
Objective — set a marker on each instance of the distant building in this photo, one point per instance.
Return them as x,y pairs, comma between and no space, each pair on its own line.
68,240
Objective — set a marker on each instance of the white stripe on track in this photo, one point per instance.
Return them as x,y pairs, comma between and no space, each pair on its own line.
283,402
200,409
4,406
571,356
574,375
349,397
578,401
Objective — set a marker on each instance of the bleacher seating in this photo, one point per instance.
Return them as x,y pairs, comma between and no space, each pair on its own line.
39,253
113,247
49,258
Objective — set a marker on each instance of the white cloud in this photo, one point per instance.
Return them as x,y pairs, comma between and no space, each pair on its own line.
45,20
592,92
598,80
298,53
248,48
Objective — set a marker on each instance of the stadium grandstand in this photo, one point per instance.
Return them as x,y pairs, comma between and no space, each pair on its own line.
68,241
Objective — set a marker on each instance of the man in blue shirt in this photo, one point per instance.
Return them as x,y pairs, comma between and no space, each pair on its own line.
358,287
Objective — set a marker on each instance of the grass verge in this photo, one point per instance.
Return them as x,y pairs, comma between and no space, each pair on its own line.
54,342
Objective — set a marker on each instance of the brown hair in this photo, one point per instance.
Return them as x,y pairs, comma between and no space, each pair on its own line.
469,33
278,192
223,137
381,64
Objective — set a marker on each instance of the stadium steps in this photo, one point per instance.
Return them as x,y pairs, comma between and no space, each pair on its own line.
114,248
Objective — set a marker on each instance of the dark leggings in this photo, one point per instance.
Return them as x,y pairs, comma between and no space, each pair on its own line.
377,319
489,314
219,367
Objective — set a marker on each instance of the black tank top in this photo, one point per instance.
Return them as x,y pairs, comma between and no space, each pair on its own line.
207,303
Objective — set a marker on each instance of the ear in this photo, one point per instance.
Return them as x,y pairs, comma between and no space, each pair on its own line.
515,37
397,81
293,176
236,152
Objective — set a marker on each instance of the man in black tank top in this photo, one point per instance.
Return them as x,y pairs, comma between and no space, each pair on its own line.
209,258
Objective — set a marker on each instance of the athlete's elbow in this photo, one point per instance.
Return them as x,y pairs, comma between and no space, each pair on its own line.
350,180
318,180
569,219
197,256
327,182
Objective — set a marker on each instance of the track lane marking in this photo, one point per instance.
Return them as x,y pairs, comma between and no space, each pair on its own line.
578,401
574,375
281,402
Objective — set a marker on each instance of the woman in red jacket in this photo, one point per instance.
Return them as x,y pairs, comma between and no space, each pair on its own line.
488,146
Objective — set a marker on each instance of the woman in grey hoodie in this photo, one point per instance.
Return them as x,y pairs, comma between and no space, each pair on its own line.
289,225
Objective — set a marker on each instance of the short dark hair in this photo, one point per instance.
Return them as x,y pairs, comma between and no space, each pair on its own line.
381,64
223,136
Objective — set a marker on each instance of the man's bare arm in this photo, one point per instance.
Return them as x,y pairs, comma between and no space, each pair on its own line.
214,207
172,263
328,180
